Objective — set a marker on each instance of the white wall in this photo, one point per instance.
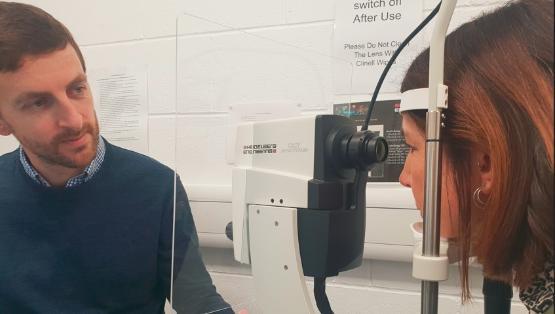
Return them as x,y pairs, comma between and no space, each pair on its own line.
142,32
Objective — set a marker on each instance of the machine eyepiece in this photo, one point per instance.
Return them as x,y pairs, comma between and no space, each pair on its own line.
377,149
360,150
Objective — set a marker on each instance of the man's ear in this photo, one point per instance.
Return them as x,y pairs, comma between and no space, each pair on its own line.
485,172
5,129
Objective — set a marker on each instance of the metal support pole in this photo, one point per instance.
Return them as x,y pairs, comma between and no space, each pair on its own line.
432,192
432,202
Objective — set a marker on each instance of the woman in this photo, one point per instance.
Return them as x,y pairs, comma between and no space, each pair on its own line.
497,195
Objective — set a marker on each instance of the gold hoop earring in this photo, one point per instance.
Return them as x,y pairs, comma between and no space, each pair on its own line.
476,197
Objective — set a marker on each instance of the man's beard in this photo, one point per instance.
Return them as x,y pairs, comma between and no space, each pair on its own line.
50,153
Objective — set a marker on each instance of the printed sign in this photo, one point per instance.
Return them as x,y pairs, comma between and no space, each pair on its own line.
367,33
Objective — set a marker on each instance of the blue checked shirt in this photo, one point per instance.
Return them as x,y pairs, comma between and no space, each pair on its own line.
85,176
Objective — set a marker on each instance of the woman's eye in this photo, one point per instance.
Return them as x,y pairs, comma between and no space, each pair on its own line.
411,148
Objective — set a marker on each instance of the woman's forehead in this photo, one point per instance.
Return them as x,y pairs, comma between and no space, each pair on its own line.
409,128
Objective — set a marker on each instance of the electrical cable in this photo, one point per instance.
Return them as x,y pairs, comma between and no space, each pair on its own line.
320,295
392,60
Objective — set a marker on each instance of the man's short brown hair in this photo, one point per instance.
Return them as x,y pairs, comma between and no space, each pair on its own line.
25,31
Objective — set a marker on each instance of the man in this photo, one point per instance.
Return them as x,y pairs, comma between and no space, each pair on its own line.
85,226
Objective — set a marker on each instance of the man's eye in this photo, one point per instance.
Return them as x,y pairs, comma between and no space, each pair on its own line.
79,89
39,103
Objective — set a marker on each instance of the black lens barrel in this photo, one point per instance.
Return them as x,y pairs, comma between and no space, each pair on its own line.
360,150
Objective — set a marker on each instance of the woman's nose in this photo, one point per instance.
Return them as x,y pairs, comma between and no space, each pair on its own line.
404,177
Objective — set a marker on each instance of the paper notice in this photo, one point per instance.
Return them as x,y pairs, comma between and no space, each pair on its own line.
122,106
367,33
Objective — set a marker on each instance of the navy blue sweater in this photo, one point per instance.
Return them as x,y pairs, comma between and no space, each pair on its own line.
101,247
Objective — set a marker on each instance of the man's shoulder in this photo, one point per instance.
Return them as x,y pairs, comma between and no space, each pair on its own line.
131,161
134,172
7,159
8,169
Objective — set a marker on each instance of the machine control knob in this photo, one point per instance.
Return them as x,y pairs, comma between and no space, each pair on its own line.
229,231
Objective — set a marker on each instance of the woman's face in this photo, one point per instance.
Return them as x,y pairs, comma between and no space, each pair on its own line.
413,176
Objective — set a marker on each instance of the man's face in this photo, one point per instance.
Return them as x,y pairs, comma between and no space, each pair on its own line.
47,105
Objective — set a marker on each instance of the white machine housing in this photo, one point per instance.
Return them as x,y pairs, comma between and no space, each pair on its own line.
298,200
270,169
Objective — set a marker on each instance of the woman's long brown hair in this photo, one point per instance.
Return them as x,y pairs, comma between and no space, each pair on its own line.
499,69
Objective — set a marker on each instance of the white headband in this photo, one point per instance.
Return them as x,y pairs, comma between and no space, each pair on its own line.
419,99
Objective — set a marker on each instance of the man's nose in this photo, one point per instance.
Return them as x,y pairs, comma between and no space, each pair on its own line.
69,116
